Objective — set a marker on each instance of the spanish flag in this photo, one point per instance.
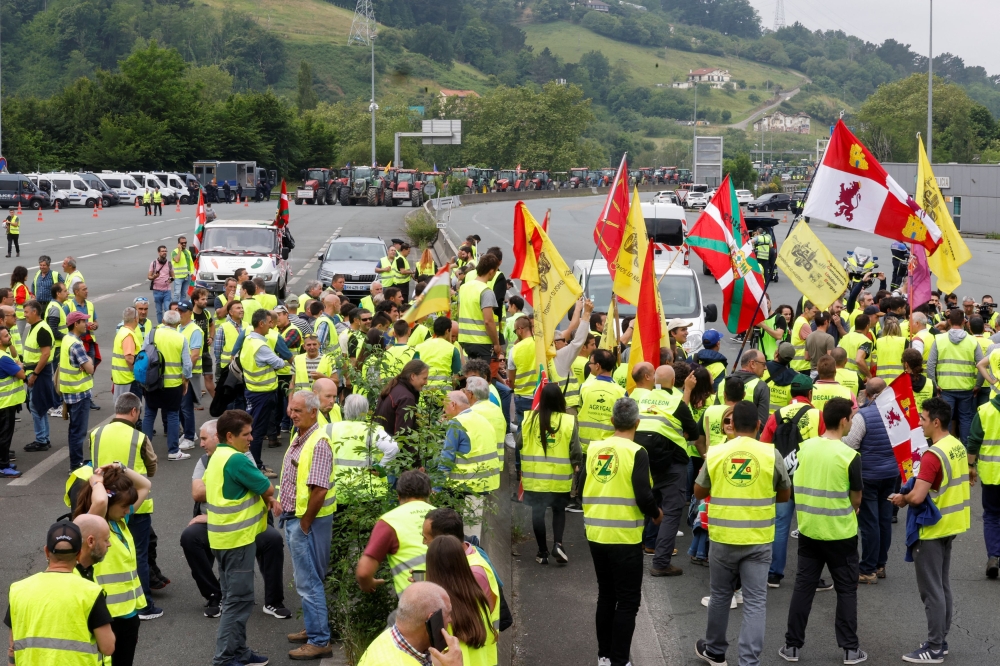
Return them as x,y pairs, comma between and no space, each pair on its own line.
650,328
631,252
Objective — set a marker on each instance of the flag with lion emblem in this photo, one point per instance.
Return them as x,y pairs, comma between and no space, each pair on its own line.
720,238
851,189
901,415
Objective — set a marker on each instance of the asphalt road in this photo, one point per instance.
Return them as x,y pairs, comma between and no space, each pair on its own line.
113,253
890,614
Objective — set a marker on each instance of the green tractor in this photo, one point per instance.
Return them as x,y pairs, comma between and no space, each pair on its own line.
364,184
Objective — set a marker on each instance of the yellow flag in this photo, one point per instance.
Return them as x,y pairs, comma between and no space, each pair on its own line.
387,167
628,263
811,267
554,288
953,252
609,339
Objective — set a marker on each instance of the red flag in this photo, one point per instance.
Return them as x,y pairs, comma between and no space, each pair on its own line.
647,318
281,218
901,415
521,250
851,189
610,226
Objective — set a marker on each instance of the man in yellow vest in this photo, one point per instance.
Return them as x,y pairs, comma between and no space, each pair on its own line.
920,334
522,368
308,500
984,457
441,355
945,478
76,382
477,390
406,642
477,304
745,479
597,398
38,363
386,269
157,201
470,447
828,490
13,226
147,201
952,366
12,394
845,376
801,329
397,537
858,345
176,372
196,341
55,616
238,496
260,365
368,302
266,300
183,265
826,386
616,499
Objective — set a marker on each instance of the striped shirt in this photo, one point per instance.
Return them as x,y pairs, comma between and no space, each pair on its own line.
319,473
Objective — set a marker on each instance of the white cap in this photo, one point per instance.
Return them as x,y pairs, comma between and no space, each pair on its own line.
678,323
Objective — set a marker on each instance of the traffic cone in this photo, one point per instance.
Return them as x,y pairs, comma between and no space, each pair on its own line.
785,219
136,201
18,207
246,202
178,209
95,211
57,205
40,215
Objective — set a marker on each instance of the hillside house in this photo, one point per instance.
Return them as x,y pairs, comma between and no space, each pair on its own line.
597,6
712,76
797,123
447,94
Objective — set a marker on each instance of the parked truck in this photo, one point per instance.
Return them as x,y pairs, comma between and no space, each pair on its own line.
235,173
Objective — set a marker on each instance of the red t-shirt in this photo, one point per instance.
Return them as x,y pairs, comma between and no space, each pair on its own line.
382,542
772,422
930,470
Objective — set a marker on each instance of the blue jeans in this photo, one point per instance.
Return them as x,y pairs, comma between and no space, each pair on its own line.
173,426
782,526
310,567
79,422
506,396
963,406
178,289
875,523
699,543
522,404
187,415
140,525
162,300
261,408
40,420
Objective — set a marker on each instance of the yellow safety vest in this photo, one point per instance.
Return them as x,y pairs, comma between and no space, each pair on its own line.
355,457
418,335
487,654
383,651
989,454
927,338
849,379
170,344
19,307
610,513
711,421
779,395
547,470
396,357
12,391
471,325
525,368
956,364
182,263
808,424
824,391
121,373
55,307
952,498
231,523
799,362
119,442
407,520
890,356
368,303
438,354
387,279
230,334
302,475
926,393
597,400
72,380
188,332
656,414
147,196
157,197
118,574
822,490
14,226
267,301
49,612
569,385
301,371
250,305
742,509
851,343
479,469
258,378
494,415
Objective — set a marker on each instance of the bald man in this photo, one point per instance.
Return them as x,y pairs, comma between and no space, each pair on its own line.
96,539
470,437
416,605
329,410
642,375
665,426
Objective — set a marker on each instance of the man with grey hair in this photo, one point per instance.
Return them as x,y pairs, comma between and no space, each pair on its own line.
70,275
408,634
308,501
920,337
194,543
371,300
173,349
469,446
313,290
356,444
477,390
616,498
123,353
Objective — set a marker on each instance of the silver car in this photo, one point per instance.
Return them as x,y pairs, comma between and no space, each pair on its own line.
354,257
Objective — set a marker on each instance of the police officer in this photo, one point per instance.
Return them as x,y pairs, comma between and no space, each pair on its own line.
828,493
477,307
13,226
945,476
56,616
597,398
745,479
616,498
403,270
762,248
157,201
147,201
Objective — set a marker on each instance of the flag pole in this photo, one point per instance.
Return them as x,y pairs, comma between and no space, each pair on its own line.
604,216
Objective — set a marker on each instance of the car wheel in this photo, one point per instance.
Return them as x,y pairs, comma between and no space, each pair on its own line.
35,204
90,203
185,201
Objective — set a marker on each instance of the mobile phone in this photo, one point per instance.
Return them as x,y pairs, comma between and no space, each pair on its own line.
418,575
434,624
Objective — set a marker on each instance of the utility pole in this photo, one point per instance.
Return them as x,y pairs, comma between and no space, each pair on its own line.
363,31
930,81
694,142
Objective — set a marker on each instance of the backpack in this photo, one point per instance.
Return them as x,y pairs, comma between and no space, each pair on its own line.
788,437
149,365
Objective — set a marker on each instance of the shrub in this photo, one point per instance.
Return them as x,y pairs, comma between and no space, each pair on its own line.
421,229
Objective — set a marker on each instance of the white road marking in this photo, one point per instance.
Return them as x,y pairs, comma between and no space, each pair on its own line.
71,236
107,230
147,242
143,225
293,280
41,468
85,256
303,271
89,233
44,240
129,247
166,238
117,249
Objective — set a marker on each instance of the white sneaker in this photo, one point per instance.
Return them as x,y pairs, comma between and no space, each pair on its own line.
55,411
738,597
603,661
180,455
511,443
679,533
794,534
732,602
186,444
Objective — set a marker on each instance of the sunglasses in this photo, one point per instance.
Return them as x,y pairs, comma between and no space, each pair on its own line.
141,299
727,421
366,319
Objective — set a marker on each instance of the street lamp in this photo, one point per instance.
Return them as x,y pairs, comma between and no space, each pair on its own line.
930,78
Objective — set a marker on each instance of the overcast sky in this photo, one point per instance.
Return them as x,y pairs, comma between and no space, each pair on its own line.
966,28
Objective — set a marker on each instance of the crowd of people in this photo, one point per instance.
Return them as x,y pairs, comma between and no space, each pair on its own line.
793,431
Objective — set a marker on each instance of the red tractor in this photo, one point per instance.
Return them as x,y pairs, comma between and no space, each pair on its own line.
579,177
506,180
319,186
404,185
540,180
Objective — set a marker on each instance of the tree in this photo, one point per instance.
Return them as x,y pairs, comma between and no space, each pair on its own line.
740,170
307,98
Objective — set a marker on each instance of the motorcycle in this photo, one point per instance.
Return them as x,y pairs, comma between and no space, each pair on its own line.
857,263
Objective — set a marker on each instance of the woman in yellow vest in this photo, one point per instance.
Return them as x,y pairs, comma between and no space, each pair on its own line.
18,285
549,442
426,265
474,619
115,492
889,350
923,387
371,364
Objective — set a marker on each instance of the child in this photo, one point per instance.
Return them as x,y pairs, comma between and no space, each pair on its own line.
699,541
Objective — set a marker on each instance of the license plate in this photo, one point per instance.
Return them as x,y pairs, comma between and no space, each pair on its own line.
304,194
356,287
400,195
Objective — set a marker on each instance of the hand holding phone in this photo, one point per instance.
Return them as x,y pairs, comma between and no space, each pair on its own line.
434,624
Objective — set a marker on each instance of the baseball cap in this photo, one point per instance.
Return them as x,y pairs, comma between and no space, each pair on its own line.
61,534
711,338
786,351
185,306
292,300
678,323
872,310
280,308
802,383
74,317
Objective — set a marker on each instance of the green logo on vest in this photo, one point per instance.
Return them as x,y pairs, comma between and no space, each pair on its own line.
742,469
605,465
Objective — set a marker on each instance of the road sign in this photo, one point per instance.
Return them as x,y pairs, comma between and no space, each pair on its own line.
430,188
3,163
442,225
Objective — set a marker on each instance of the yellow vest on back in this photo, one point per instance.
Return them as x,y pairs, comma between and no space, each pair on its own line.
824,391
525,368
471,325
49,612
407,520
799,362
479,469
742,509
890,356
597,400
610,513
956,364
547,470
849,379
438,354
989,454
822,490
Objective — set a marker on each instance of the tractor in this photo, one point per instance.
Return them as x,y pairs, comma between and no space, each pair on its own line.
473,177
580,177
365,184
540,180
507,180
319,186
404,185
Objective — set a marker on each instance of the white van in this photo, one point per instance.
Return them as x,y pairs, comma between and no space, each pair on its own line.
174,182
78,192
123,184
150,181
679,288
44,183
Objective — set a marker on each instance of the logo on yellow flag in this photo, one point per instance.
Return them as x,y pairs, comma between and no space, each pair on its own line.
811,267
953,252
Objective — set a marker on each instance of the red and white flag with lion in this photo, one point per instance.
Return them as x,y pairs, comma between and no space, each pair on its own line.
851,189
901,415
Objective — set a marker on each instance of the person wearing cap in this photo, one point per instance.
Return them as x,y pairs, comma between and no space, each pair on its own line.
952,366
710,358
196,341
75,382
779,376
678,331
801,415
292,305
56,616
858,345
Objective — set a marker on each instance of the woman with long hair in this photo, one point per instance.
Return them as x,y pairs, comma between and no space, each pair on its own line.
549,444
473,616
114,492
426,265
397,402
889,348
19,285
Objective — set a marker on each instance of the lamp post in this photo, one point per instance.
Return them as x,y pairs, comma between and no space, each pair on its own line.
930,80
373,107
